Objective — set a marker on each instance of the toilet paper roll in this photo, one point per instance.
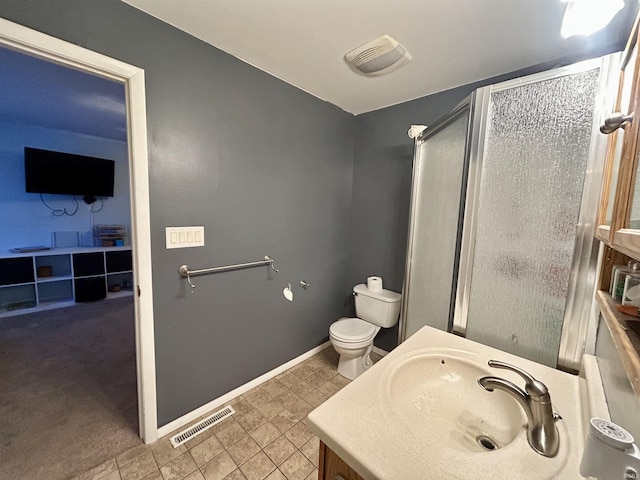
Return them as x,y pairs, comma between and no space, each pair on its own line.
374,284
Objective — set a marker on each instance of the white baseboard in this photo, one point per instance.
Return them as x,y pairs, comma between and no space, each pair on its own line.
379,351
218,402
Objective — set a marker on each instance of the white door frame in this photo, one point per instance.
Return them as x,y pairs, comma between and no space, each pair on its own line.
32,42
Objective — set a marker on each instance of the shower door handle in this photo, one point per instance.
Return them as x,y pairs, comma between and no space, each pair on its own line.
614,121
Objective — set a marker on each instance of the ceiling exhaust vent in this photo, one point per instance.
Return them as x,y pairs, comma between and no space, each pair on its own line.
378,56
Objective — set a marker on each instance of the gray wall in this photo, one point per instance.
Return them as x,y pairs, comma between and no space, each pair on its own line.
265,167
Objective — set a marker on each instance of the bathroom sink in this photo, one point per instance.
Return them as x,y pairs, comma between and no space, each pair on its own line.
435,392
419,413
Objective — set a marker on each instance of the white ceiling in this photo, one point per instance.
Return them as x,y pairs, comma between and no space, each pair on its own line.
452,42
38,92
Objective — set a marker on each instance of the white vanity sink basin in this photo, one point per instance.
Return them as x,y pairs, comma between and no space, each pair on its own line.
420,414
435,390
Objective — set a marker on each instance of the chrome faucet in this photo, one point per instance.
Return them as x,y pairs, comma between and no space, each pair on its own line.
542,432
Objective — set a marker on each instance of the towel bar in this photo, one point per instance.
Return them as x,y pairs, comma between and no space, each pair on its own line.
185,272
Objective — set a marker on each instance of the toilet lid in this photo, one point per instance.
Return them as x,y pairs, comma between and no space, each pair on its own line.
352,330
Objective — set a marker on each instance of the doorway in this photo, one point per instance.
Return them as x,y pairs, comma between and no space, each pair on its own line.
30,42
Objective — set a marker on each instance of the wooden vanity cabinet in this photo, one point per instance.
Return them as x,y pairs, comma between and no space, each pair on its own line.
332,467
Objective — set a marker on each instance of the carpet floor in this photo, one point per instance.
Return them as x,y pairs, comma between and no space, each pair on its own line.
68,396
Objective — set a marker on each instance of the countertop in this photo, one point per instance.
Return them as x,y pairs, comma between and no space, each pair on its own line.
355,423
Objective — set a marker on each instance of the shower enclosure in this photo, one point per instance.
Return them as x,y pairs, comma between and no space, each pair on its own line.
504,200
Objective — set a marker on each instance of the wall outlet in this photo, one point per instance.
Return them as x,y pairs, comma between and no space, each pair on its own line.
184,237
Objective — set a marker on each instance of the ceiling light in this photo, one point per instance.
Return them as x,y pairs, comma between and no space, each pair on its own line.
584,17
378,56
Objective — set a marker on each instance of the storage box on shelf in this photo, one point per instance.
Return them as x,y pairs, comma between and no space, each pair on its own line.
109,235
62,277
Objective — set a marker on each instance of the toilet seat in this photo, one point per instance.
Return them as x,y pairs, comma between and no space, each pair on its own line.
352,330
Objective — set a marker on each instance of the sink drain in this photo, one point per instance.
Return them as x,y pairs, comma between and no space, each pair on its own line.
486,442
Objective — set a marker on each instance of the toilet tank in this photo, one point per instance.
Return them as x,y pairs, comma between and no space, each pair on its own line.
380,308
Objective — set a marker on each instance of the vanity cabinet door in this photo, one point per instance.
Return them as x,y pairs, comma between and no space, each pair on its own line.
614,149
332,467
619,216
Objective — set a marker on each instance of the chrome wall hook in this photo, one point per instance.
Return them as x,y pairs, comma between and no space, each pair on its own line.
267,258
185,272
304,284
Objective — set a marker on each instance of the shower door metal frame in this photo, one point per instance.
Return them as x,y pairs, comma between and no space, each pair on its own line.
579,307
466,105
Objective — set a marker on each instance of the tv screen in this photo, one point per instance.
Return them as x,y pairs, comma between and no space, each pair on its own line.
47,171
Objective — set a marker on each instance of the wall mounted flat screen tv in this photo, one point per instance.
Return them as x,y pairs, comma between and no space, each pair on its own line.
47,171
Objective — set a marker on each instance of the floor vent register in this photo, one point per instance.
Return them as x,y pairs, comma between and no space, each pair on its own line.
201,426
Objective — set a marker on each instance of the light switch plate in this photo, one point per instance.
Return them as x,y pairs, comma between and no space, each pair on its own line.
184,237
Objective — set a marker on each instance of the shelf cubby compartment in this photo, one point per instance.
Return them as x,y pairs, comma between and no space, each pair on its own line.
16,270
55,291
17,297
118,261
124,280
88,264
89,289
60,266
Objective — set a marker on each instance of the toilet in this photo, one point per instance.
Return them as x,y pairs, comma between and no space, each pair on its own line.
353,338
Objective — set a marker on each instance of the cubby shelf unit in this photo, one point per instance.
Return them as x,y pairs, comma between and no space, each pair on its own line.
72,275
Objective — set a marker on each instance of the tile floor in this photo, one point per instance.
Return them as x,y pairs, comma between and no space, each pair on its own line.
266,439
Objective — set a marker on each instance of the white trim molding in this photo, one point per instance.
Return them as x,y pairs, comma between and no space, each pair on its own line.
379,351
26,40
218,402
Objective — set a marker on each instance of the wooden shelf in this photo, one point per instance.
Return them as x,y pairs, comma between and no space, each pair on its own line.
625,338
627,241
603,233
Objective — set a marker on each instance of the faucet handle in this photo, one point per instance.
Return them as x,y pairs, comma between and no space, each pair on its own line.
534,388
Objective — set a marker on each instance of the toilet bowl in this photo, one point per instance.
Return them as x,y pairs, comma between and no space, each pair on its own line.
353,337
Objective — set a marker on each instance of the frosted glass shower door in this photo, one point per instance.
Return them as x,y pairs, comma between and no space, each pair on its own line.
439,170
533,158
